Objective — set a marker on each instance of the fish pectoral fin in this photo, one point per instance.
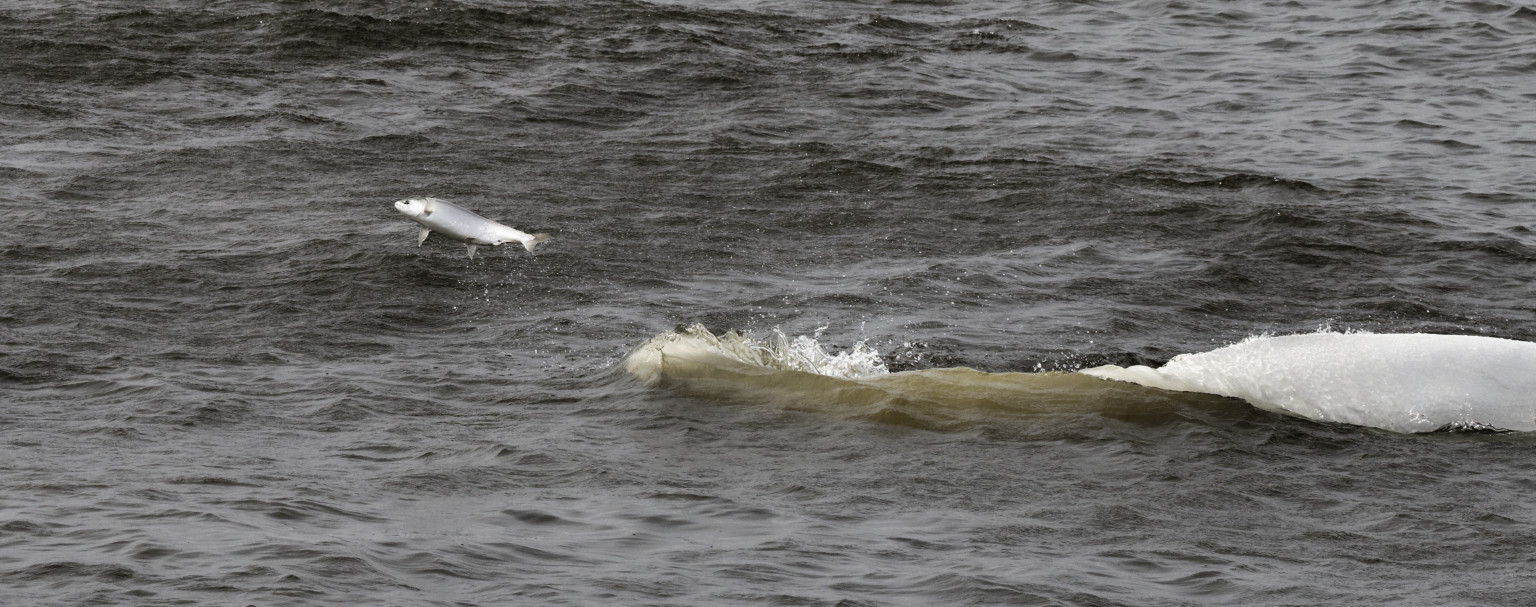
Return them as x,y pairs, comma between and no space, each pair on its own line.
472,250
422,236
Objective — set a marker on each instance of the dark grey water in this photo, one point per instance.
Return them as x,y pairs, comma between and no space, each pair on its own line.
228,376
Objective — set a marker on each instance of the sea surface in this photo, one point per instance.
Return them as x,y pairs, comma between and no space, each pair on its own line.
809,331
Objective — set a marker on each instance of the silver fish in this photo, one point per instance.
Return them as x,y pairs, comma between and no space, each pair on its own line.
463,225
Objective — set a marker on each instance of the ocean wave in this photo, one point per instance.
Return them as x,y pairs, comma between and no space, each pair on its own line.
1399,382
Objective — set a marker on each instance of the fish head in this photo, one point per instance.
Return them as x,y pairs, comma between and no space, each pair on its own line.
412,207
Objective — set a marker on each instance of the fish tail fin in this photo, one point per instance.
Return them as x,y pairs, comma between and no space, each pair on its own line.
536,241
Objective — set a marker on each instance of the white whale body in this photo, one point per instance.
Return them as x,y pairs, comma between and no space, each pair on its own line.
463,225
1399,382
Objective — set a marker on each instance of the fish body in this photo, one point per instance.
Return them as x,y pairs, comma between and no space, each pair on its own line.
463,225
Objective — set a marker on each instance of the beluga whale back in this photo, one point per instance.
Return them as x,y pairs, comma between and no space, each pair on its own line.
463,225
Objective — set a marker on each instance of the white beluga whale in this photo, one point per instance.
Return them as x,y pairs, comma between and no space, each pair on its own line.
1405,382
463,225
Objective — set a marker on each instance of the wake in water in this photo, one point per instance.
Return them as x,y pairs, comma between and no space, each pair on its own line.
1397,382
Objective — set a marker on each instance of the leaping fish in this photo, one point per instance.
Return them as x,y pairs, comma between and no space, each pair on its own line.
463,225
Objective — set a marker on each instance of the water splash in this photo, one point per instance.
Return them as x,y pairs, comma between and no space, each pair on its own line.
777,352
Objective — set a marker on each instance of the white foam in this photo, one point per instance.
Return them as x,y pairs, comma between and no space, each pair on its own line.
1398,382
775,352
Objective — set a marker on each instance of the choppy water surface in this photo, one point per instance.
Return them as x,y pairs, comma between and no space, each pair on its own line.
228,375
